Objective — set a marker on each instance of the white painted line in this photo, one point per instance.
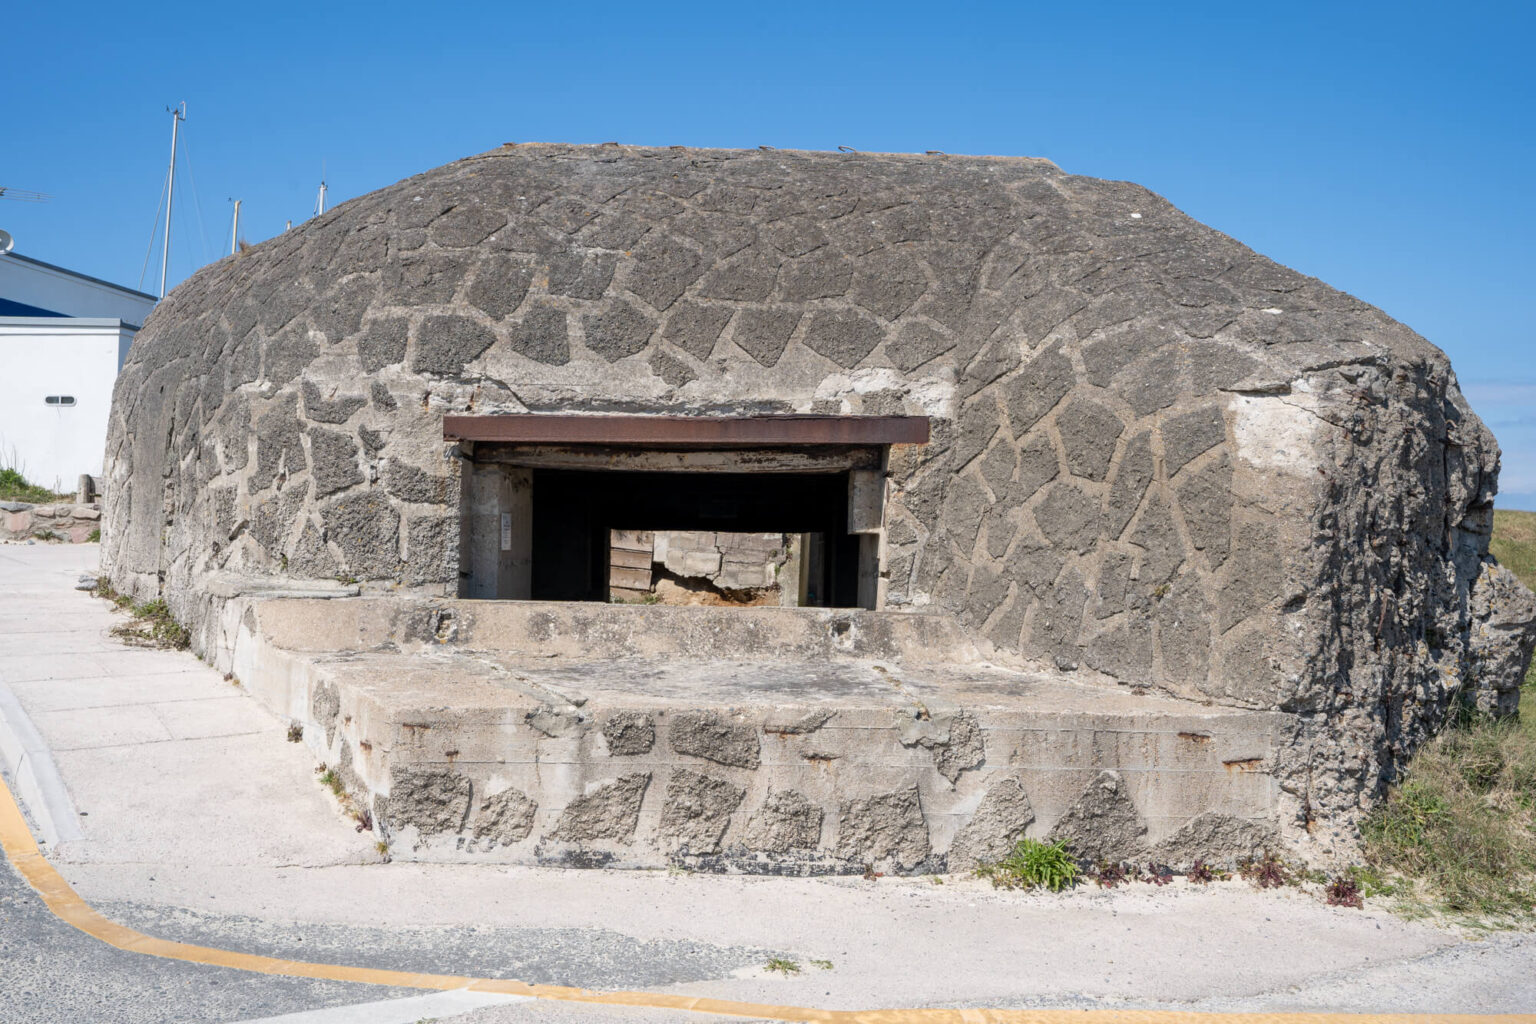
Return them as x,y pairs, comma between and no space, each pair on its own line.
29,762
397,1011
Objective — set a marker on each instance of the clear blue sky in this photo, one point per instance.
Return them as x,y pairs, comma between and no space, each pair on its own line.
1387,148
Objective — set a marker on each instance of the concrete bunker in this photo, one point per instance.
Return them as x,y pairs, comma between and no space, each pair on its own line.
1196,546
544,496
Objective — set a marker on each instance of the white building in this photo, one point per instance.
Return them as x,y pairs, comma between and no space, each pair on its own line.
63,337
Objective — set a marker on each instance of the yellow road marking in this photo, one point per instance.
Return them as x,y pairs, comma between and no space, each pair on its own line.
62,900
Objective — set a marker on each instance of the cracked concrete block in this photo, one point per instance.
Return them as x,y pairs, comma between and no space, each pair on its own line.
887,829
995,826
445,344
333,459
629,732
609,810
1220,840
505,818
432,800
786,821
620,331
714,737
1103,824
798,724
697,811
383,343
954,739
325,709
1190,434
694,327
556,723
1089,432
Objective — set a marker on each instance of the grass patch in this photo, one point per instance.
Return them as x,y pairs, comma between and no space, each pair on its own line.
151,624
780,965
1461,828
1459,832
1514,543
1033,864
14,487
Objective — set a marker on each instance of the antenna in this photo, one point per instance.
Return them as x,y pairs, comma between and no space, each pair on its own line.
234,228
178,115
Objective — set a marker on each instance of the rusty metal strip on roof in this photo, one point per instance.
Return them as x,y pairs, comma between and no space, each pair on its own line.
689,431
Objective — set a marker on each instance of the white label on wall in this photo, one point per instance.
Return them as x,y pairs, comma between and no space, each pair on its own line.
506,531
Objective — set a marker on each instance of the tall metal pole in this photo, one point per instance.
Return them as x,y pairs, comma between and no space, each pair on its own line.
177,116
234,230
320,202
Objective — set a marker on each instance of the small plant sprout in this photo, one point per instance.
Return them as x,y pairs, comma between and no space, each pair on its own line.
1344,891
1033,864
782,966
822,965
1108,874
1269,872
295,732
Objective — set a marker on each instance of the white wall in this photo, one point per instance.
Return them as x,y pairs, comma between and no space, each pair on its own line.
45,356
61,291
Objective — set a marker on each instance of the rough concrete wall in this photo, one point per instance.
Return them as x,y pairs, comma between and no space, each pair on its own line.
1158,459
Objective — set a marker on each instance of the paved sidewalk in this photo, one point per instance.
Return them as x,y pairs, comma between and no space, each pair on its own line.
164,760
199,821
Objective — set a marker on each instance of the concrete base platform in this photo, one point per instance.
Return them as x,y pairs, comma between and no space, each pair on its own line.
770,740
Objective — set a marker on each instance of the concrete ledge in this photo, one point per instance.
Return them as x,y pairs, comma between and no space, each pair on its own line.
828,742
30,764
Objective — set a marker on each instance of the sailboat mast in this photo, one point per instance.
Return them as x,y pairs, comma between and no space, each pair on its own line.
178,115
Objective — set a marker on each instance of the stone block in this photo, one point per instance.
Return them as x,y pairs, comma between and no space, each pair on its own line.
697,811
715,737
886,830
610,810
785,822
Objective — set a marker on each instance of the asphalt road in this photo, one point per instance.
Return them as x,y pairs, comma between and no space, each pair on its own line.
49,972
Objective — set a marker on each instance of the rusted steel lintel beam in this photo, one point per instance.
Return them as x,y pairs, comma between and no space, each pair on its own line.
701,431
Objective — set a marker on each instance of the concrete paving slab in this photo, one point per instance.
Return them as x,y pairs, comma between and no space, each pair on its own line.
108,663
210,717
96,691
249,799
83,728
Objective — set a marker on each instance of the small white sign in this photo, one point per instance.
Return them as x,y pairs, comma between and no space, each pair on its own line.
506,531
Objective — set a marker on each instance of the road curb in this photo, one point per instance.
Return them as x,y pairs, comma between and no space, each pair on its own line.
29,762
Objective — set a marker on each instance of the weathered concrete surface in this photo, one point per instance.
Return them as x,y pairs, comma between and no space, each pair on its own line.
1158,458
630,737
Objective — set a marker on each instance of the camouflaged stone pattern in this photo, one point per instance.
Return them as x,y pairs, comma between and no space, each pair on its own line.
1158,458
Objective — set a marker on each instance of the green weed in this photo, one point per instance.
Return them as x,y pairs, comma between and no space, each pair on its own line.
1033,864
15,487
782,966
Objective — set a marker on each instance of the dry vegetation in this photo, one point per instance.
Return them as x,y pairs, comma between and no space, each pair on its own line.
1459,831
149,625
